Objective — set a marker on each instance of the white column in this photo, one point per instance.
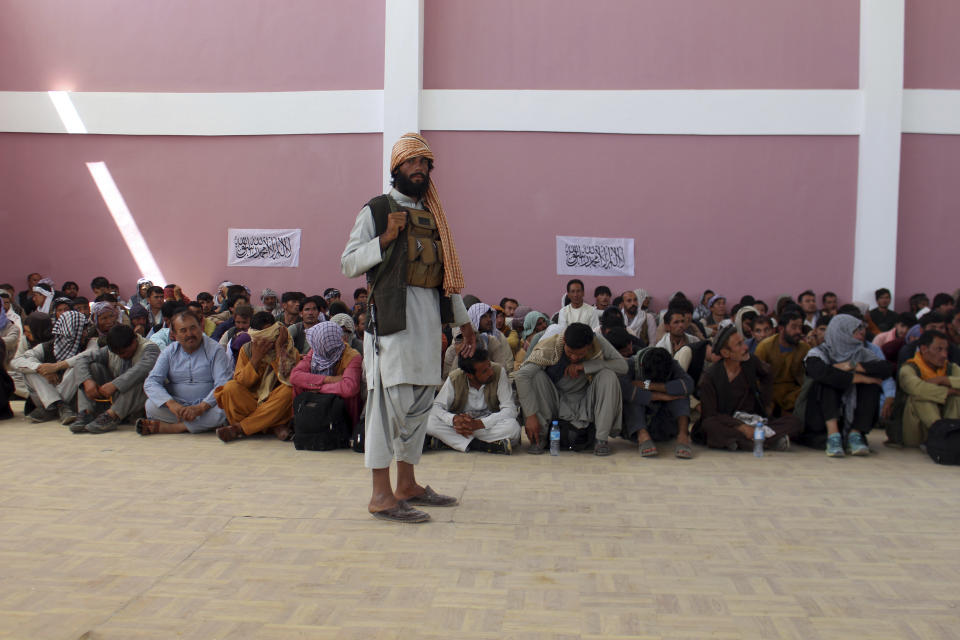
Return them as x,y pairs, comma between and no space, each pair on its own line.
878,185
402,73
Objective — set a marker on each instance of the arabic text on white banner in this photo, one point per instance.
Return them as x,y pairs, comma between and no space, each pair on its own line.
263,247
594,256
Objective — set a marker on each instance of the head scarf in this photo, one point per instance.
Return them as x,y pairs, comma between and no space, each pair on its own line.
519,315
46,307
40,327
642,295
413,145
281,363
68,334
738,320
839,344
530,323
477,311
98,308
143,281
326,341
344,321
139,311
267,293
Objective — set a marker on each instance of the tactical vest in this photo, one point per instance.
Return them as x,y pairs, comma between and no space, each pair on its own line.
461,389
415,258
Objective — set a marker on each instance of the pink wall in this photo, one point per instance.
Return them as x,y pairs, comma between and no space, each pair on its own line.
735,214
932,49
927,230
183,193
642,44
185,45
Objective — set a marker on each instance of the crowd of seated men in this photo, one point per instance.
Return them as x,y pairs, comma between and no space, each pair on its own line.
698,372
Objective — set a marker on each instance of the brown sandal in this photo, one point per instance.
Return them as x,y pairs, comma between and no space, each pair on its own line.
402,512
229,433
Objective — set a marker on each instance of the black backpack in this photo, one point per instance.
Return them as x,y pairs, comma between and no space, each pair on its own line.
943,442
573,439
320,422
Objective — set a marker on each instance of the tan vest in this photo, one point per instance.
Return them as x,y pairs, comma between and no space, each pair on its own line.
461,389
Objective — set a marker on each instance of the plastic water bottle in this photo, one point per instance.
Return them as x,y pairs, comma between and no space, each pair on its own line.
758,437
554,438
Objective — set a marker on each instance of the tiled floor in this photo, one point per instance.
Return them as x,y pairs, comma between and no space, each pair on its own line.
119,536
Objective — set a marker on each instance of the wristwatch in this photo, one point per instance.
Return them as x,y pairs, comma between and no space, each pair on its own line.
646,385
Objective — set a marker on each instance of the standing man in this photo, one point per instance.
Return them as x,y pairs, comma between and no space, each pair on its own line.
413,286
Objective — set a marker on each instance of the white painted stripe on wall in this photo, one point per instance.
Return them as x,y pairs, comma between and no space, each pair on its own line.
200,114
931,111
878,178
402,73
318,112
725,112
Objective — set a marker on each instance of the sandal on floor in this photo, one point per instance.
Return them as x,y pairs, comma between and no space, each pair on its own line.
683,451
648,449
284,434
147,427
402,512
431,498
229,433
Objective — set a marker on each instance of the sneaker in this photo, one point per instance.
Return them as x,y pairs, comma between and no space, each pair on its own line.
536,448
103,423
857,445
835,446
67,415
80,424
503,446
40,414
601,448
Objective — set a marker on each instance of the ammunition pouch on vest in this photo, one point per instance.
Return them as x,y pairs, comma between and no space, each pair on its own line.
424,250
415,258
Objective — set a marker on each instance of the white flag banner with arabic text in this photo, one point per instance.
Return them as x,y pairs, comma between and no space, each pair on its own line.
263,247
594,256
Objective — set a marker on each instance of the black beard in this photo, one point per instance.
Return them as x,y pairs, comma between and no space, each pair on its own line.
409,188
791,340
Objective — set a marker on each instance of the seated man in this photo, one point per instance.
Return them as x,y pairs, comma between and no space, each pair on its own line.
482,318
932,386
676,338
48,371
290,307
162,337
577,311
103,317
197,308
140,319
260,396
882,316
718,313
639,323
512,335
349,328
784,353
242,315
903,322
761,330
739,382
225,319
268,301
572,376
331,366
656,402
309,317
154,306
114,373
180,387
602,296
474,410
